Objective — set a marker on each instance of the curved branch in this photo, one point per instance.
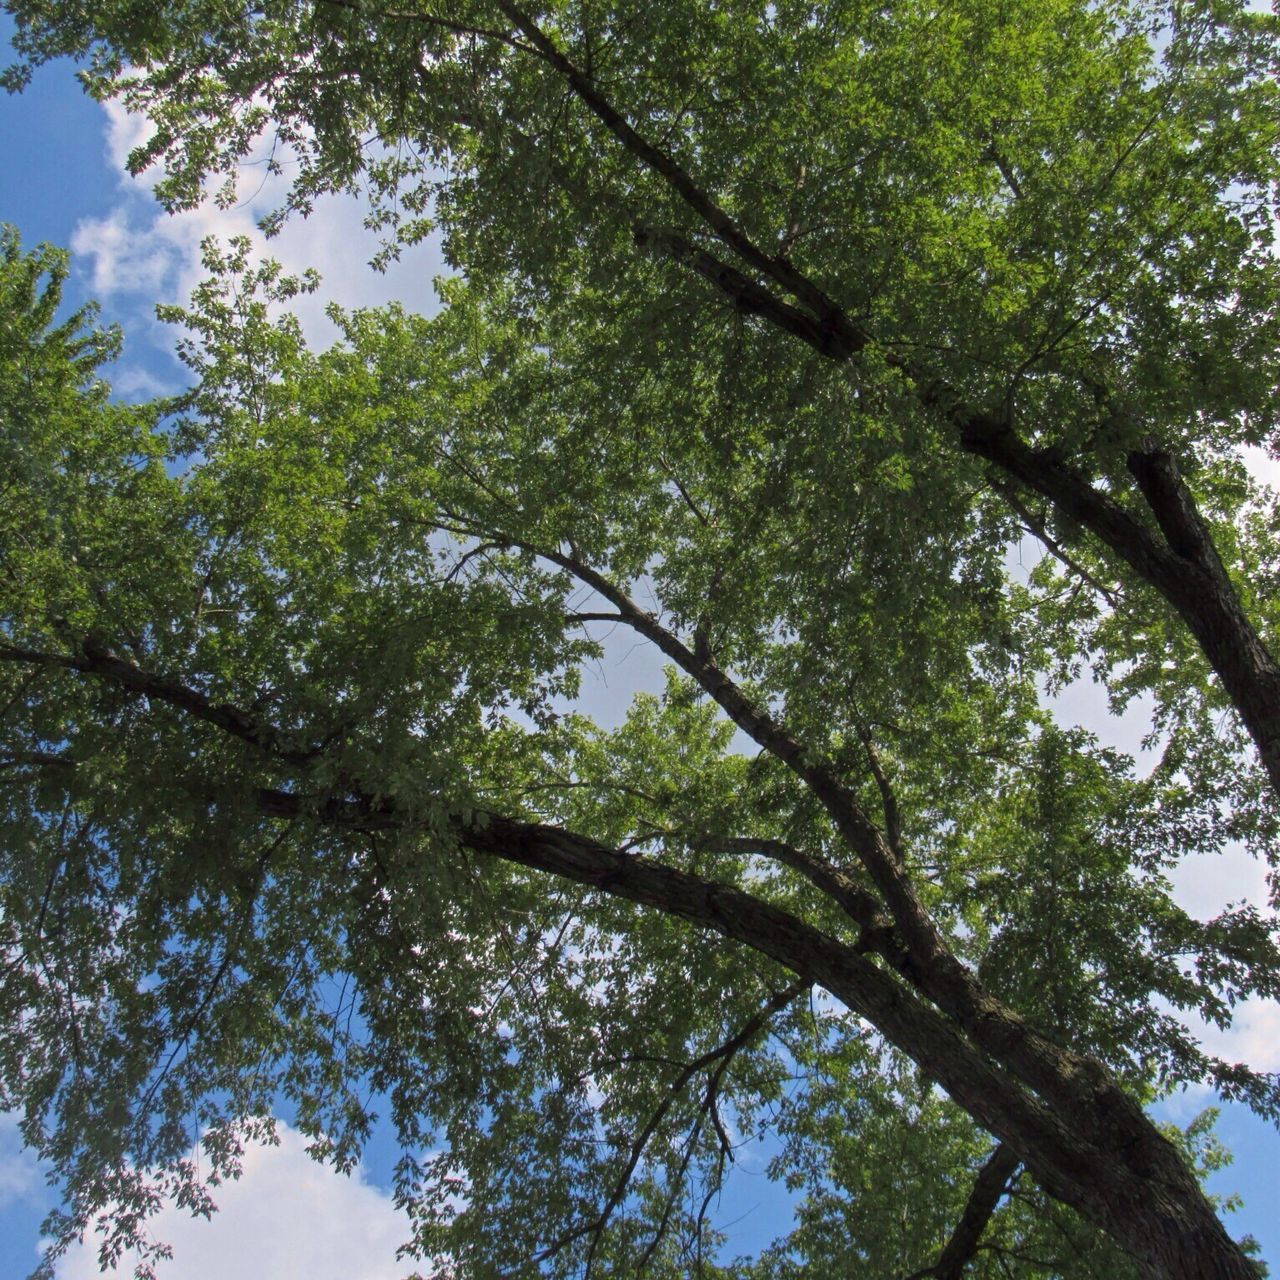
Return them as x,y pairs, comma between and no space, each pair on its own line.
711,904
1180,562
1086,1141
1054,1071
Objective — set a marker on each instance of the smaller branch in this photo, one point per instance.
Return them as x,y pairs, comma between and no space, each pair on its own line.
993,154
684,493
892,818
1036,528
988,1190
717,219
434,20
861,906
835,337
673,1192
1053,1266
96,659
594,617
471,555
721,1054
700,1222
713,1109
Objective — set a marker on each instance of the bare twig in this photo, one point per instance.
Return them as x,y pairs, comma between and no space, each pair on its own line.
719,1055
1036,527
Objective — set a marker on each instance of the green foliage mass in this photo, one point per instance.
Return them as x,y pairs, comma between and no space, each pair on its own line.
299,801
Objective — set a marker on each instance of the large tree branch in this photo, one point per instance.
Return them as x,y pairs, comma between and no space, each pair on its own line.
364,814
1055,1072
1183,566
1102,1157
776,268
1048,1067
1090,1147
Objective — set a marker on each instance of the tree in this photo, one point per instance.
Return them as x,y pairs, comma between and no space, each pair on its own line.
789,319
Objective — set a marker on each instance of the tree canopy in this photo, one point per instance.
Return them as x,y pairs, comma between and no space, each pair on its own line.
775,326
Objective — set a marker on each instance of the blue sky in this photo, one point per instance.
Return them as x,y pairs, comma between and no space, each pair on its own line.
62,181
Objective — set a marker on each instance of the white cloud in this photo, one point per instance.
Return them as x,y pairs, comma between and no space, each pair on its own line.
1084,702
123,260
1252,1038
136,383
20,1178
1205,884
1263,465
138,254
126,131
287,1216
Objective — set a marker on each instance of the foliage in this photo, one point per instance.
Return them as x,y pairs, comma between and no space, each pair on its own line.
792,319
